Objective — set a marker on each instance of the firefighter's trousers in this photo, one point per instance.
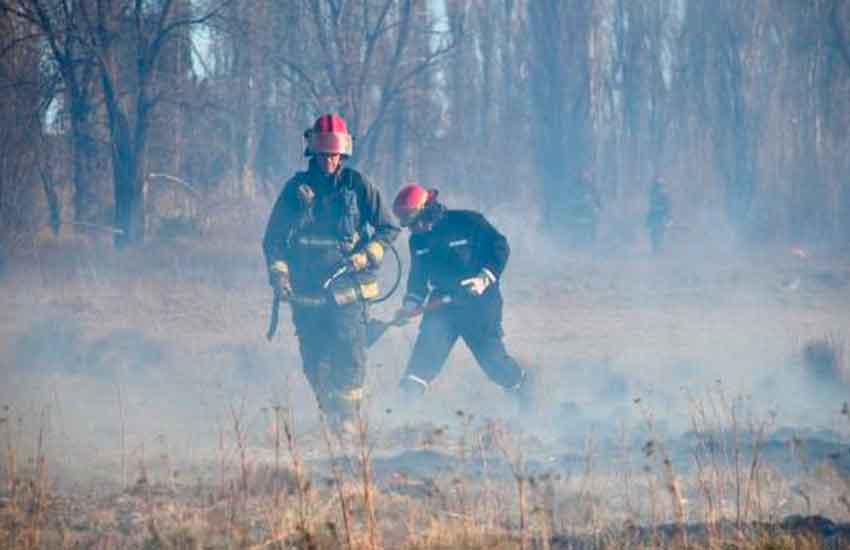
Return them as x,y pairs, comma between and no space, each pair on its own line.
478,321
656,237
332,341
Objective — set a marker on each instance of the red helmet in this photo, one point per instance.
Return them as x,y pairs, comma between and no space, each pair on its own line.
411,202
329,135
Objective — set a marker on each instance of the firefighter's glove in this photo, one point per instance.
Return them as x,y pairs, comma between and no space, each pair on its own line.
279,279
408,310
306,196
370,256
478,284
358,261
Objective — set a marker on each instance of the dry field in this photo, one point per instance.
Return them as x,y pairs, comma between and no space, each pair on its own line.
695,400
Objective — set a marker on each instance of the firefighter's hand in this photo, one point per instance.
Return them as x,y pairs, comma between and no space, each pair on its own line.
282,286
371,256
279,280
478,284
357,261
408,310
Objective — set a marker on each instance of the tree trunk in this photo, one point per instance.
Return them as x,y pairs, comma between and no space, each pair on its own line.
560,102
83,173
129,185
398,159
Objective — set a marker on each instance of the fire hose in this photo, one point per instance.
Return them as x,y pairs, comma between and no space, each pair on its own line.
339,272
376,328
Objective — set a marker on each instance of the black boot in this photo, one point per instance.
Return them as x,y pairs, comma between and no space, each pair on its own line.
342,410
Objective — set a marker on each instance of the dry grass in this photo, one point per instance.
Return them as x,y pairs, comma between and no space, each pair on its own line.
296,506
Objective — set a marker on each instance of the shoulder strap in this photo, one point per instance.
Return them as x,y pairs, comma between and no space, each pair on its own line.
350,180
351,189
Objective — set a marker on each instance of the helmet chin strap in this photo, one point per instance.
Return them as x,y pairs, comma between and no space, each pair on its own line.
433,211
430,215
420,227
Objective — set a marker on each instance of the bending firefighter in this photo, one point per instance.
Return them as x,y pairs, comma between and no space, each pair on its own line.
325,238
457,257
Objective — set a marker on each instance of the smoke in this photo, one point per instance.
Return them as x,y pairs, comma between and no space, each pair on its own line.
164,354
620,335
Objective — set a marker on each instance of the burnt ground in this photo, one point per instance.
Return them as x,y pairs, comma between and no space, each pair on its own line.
702,384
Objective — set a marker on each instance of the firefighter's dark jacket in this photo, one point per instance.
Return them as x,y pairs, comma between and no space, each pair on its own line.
318,220
459,245
660,207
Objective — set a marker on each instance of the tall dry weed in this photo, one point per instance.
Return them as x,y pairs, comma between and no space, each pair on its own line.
25,500
666,479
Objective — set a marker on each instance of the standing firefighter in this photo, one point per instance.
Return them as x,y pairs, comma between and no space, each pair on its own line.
589,206
659,215
457,258
325,238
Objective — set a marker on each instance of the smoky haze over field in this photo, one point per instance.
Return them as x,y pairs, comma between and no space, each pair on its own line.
167,355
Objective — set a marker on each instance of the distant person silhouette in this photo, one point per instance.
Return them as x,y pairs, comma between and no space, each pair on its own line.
588,208
659,215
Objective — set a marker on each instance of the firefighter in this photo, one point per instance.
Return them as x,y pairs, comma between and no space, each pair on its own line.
659,215
457,258
589,208
325,238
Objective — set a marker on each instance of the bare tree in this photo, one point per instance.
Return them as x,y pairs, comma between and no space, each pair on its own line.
140,30
21,114
632,104
839,22
560,73
815,36
246,35
716,72
358,58
94,39
839,25
56,25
